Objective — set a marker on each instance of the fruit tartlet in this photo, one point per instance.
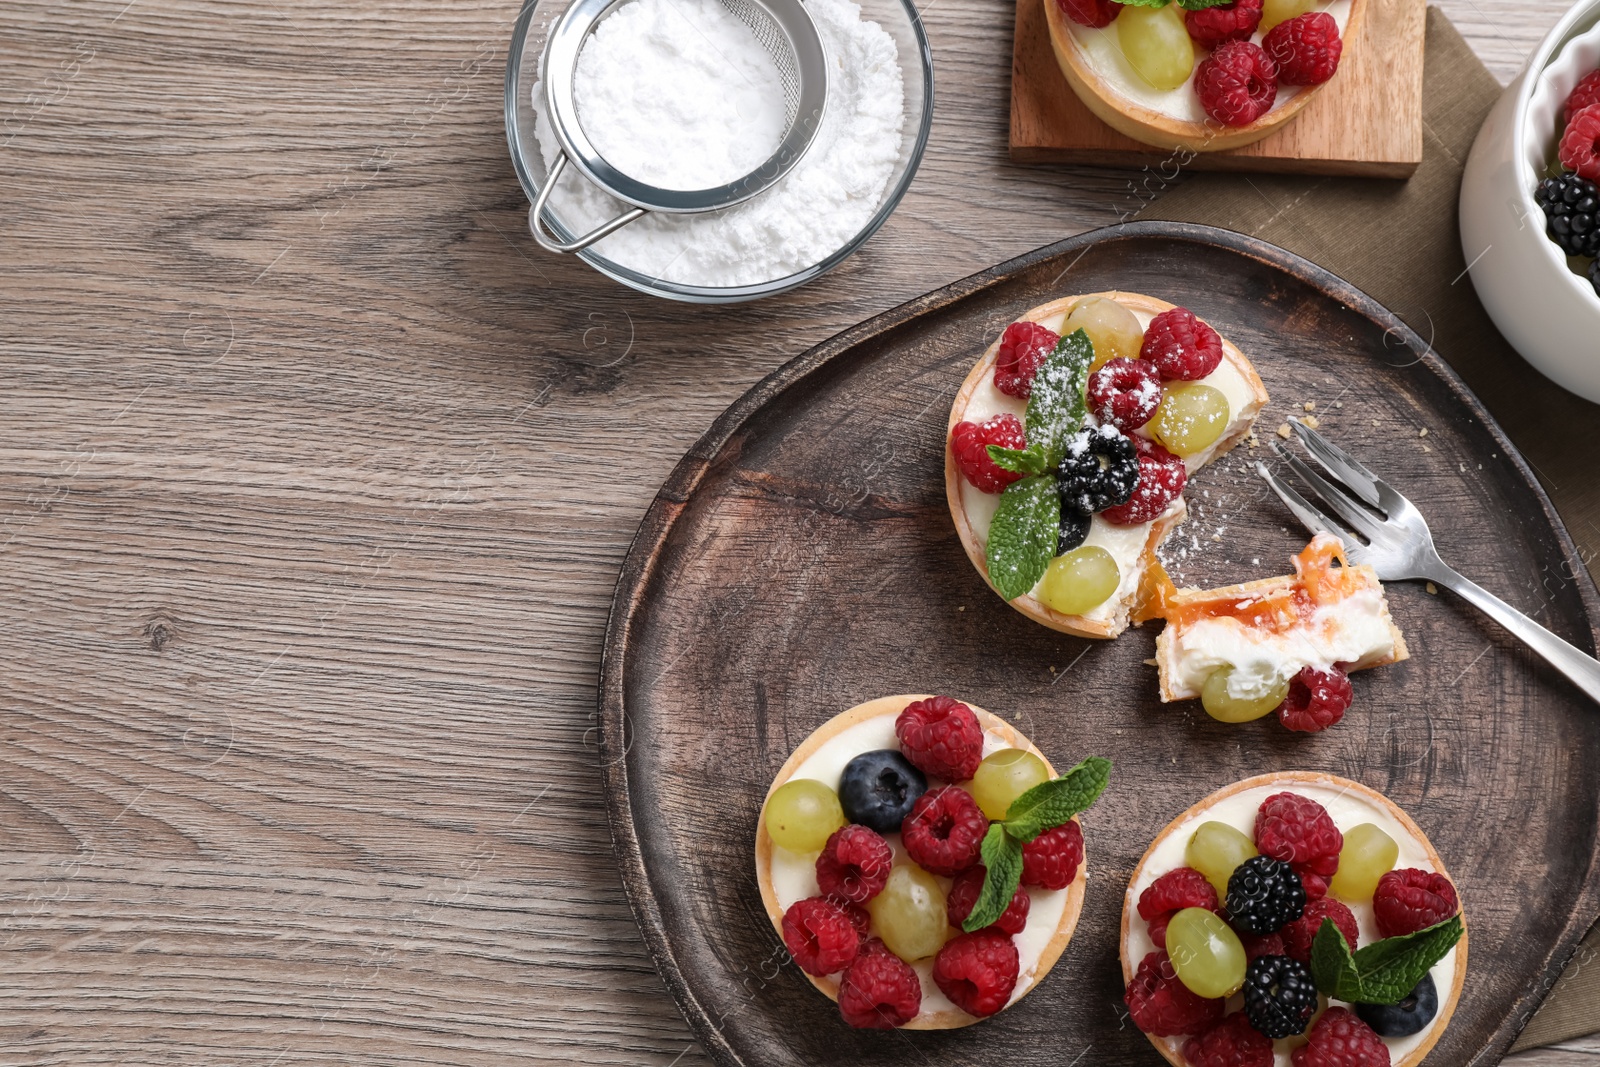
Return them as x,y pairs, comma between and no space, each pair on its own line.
1292,920
1071,440
1284,645
1201,75
922,861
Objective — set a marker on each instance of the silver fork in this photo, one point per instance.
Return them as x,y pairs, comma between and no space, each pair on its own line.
1400,545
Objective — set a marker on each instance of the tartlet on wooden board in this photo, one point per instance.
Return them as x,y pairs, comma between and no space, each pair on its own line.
1029,604
893,705
1288,780
1367,121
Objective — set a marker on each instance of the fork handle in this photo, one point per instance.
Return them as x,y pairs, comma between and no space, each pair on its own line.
1584,670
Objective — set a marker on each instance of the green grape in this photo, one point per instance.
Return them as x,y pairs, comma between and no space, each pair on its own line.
1157,44
1112,329
1215,850
1191,417
1004,776
802,814
1225,706
1368,855
909,915
1080,581
1206,953
1276,11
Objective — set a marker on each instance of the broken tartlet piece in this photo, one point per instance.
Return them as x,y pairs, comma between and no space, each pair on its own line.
1282,645
1071,440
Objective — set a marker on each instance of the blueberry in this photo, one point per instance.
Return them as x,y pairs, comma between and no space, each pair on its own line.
1415,1010
878,788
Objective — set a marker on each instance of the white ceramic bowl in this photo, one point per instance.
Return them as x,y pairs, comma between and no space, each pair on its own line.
1547,311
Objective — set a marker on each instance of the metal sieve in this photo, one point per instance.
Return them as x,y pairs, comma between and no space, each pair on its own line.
785,30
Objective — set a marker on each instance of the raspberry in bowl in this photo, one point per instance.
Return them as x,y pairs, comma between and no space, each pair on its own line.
1250,925
1074,436
870,857
1203,78
1527,214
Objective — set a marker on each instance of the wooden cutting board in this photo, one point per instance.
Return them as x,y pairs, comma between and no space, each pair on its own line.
1367,121
801,559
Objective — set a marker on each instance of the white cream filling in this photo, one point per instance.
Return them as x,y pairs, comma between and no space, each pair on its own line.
1103,51
1124,543
1348,810
794,875
1347,631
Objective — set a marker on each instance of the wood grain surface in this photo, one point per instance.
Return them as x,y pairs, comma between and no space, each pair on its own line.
1367,121
802,559
316,479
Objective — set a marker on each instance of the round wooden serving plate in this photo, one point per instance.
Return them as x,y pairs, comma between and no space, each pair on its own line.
1152,127
801,559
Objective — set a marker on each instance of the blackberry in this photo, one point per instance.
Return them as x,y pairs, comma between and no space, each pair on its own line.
1263,895
1279,996
1414,1011
1594,276
1099,471
1571,206
1074,529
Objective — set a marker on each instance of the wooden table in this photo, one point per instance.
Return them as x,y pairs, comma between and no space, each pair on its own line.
317,475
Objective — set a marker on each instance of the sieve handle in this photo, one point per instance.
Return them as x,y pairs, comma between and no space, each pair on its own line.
546,239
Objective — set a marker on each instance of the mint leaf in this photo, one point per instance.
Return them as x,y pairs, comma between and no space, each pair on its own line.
1384,971
1050,804
1023,534
1201,5
1017,460
1333,967
1391,968
1056,407
1002,860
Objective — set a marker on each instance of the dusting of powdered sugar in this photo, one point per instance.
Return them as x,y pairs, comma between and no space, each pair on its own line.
679,94
828,198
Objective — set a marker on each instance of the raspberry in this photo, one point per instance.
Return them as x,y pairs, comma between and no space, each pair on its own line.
1409,900
1316,700
1298,934
1305,49
859,917
1299,831
977,971
1023,349
970,442
1125,392
820,936
1316,885
944,830
1179,345
1213,26
1162,1006
854,865
1339,1039
1096,13
1162,477
1580,145
1237,83
1051,860
1586,93
964,894
1182,887
941,737
1261,945
1231,1043
879,991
